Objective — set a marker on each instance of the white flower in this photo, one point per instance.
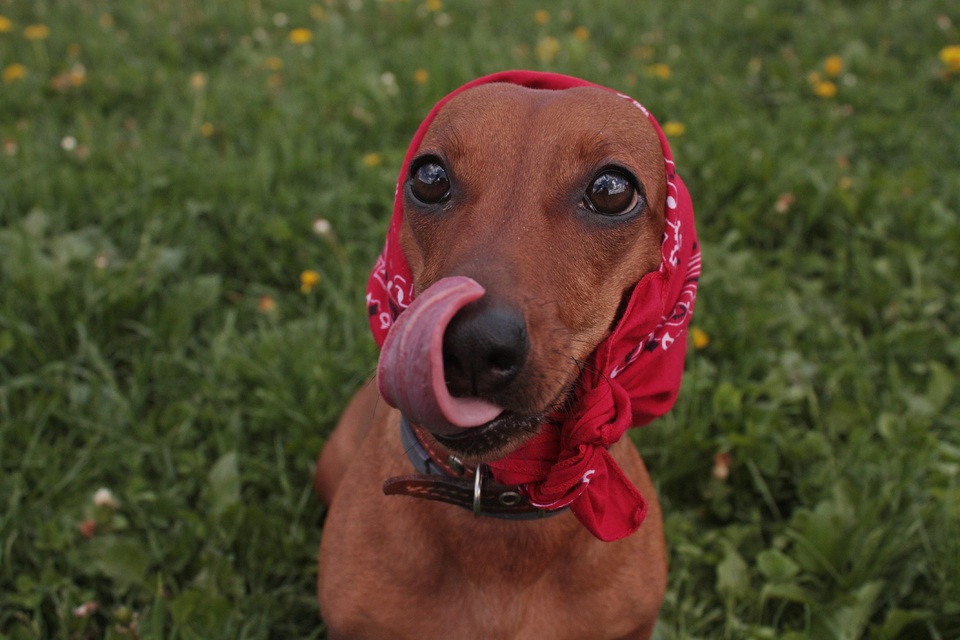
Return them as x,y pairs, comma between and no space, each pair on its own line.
105,498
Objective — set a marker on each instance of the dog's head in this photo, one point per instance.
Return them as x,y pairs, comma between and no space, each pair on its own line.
553,203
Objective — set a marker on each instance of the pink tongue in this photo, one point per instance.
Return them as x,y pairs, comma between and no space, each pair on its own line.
410,373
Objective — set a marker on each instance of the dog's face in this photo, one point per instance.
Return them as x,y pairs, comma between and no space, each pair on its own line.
553,202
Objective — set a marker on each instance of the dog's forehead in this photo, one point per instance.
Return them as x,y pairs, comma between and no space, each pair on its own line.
551,128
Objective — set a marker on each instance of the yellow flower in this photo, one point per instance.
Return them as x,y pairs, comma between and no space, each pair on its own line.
541,17
36,32
547,49
5,25
14,72
421,76
372,160
833,66
78,75
434,5
674,129
950,57
273,63
198,80
699,337
308,280
581,33
206,129
301,36
825,89
658,70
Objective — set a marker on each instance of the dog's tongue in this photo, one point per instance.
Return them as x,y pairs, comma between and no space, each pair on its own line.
410,374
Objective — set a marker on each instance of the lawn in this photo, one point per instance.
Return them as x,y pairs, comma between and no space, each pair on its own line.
192,194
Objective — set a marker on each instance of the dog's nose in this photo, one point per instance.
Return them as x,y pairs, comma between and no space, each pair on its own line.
484,348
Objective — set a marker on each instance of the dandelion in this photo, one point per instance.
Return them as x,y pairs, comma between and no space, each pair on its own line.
308,280
421,76
78,75
105,498
674,129
86,609
68,143
541,17
434,5
833,66
658,70
950,57
784,202
700,338
198,81
14,72
280,19
6,26
581,33
547,49
36,32
266,305
322,227
372,160
721,465
825,89
206,129
301,36
273,63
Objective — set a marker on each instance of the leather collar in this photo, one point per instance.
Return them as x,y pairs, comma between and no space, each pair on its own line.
443,477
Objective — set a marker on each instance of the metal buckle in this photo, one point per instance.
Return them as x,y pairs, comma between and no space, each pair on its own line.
477,489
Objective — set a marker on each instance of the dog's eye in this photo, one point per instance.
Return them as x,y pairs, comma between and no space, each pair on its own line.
611,194
430,183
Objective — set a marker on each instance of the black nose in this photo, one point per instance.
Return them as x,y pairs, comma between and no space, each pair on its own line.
484,348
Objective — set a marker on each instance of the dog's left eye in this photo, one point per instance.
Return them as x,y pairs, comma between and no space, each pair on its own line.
611,193
430,183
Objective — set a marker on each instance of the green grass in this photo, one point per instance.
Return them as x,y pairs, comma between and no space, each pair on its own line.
154,204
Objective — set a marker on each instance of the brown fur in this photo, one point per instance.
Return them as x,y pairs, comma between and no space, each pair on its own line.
397,567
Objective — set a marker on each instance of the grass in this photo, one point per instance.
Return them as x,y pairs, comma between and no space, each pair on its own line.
162,171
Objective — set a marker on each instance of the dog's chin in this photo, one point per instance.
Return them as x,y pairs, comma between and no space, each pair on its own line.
493,440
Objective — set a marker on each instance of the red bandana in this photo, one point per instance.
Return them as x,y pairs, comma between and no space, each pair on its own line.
634,374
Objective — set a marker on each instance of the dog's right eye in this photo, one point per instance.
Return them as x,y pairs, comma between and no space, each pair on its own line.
430,183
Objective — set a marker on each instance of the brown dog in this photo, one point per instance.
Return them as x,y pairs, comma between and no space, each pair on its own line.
553,202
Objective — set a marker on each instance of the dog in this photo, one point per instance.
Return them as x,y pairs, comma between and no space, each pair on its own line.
535,275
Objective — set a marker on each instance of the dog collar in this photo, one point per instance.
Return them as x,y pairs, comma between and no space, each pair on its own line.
443,477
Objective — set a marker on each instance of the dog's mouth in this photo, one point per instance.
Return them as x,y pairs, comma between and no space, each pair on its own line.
494,439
